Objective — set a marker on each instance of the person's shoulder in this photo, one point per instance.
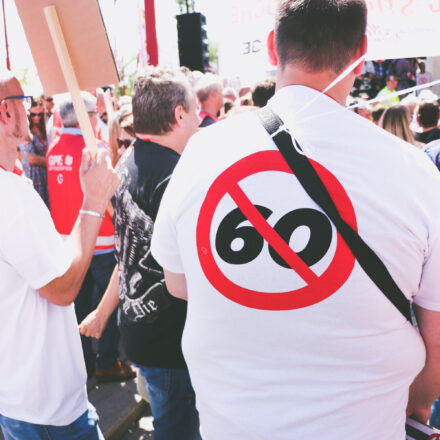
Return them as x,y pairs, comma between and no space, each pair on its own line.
230,126
152,157
17,192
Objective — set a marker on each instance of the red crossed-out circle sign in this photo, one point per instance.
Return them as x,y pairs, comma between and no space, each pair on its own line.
318,288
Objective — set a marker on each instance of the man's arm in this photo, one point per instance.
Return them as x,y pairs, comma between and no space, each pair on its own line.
426,387
99,182
176,284
94,324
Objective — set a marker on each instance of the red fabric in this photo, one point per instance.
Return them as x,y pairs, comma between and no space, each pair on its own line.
16,170
65,194
143,138
202,116
8,60
150,25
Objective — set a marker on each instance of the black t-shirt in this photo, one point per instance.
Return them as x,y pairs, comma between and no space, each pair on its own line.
428,136
151,320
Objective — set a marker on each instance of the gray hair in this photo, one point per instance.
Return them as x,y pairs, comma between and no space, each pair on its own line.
67,112
156,94
207,84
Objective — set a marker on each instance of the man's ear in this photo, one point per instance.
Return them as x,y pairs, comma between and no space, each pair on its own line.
360,51
273,57
4,111
179,112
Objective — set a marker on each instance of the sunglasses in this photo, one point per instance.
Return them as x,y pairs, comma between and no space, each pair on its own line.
124,143
33,115
48,99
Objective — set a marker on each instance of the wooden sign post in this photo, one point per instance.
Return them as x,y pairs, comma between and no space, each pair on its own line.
71,80
71,51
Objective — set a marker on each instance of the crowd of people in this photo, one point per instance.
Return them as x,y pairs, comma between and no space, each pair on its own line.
160,243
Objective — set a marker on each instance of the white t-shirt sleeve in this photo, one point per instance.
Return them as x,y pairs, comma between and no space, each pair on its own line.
164,246
29,241
428,295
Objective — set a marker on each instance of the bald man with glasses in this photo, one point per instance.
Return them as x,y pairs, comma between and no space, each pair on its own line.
42,375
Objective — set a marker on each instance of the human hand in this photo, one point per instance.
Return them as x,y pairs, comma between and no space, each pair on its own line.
93,325
99,181
419,406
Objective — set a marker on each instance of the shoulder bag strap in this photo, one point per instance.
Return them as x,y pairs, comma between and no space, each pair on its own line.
315,188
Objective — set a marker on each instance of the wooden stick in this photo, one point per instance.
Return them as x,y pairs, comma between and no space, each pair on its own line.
68,70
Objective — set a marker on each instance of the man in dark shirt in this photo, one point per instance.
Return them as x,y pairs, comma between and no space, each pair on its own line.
152,321
427,117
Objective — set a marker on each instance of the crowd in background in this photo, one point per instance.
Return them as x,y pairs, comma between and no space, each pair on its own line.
413,117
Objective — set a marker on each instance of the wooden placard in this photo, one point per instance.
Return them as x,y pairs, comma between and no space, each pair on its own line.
86,40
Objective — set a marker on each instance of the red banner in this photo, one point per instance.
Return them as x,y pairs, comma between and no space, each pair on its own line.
150,26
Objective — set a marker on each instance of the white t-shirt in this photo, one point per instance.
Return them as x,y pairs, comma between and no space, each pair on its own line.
424,78
42,371
318,351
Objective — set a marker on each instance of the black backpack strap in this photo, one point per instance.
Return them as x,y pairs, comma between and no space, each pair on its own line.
315,188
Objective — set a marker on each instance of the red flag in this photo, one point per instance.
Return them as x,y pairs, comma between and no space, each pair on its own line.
150,25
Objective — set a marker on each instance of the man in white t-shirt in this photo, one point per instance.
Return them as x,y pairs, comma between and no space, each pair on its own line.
42,373
310,348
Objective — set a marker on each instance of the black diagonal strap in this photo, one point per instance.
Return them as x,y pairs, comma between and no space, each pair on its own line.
315,188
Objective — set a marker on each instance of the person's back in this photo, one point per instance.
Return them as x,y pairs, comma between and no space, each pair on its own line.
64,159
150,317
151,320
286,336
334,362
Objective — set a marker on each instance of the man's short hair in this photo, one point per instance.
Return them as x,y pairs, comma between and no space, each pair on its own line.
319,34
67,112
156,94
263,91
207,84
428,114
390,78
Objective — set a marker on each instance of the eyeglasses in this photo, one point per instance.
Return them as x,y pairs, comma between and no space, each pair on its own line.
33,115
49,99
27,100
124,143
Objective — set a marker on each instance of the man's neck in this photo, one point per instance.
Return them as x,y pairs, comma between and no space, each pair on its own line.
8,154
166,140
290,75
209,108
429,128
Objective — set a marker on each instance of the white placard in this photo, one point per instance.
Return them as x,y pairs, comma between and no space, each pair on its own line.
396,29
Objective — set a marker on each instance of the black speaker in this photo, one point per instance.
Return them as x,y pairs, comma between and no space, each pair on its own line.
193,41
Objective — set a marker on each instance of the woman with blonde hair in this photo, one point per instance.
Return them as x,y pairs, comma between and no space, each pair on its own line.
121,132
396,120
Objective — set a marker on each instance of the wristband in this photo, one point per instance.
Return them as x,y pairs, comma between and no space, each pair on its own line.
92,213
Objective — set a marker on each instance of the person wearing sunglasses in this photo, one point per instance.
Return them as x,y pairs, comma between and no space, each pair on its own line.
121,132
48,106
34,153
43,377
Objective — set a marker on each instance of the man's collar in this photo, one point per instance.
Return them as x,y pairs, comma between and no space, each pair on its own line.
72,130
